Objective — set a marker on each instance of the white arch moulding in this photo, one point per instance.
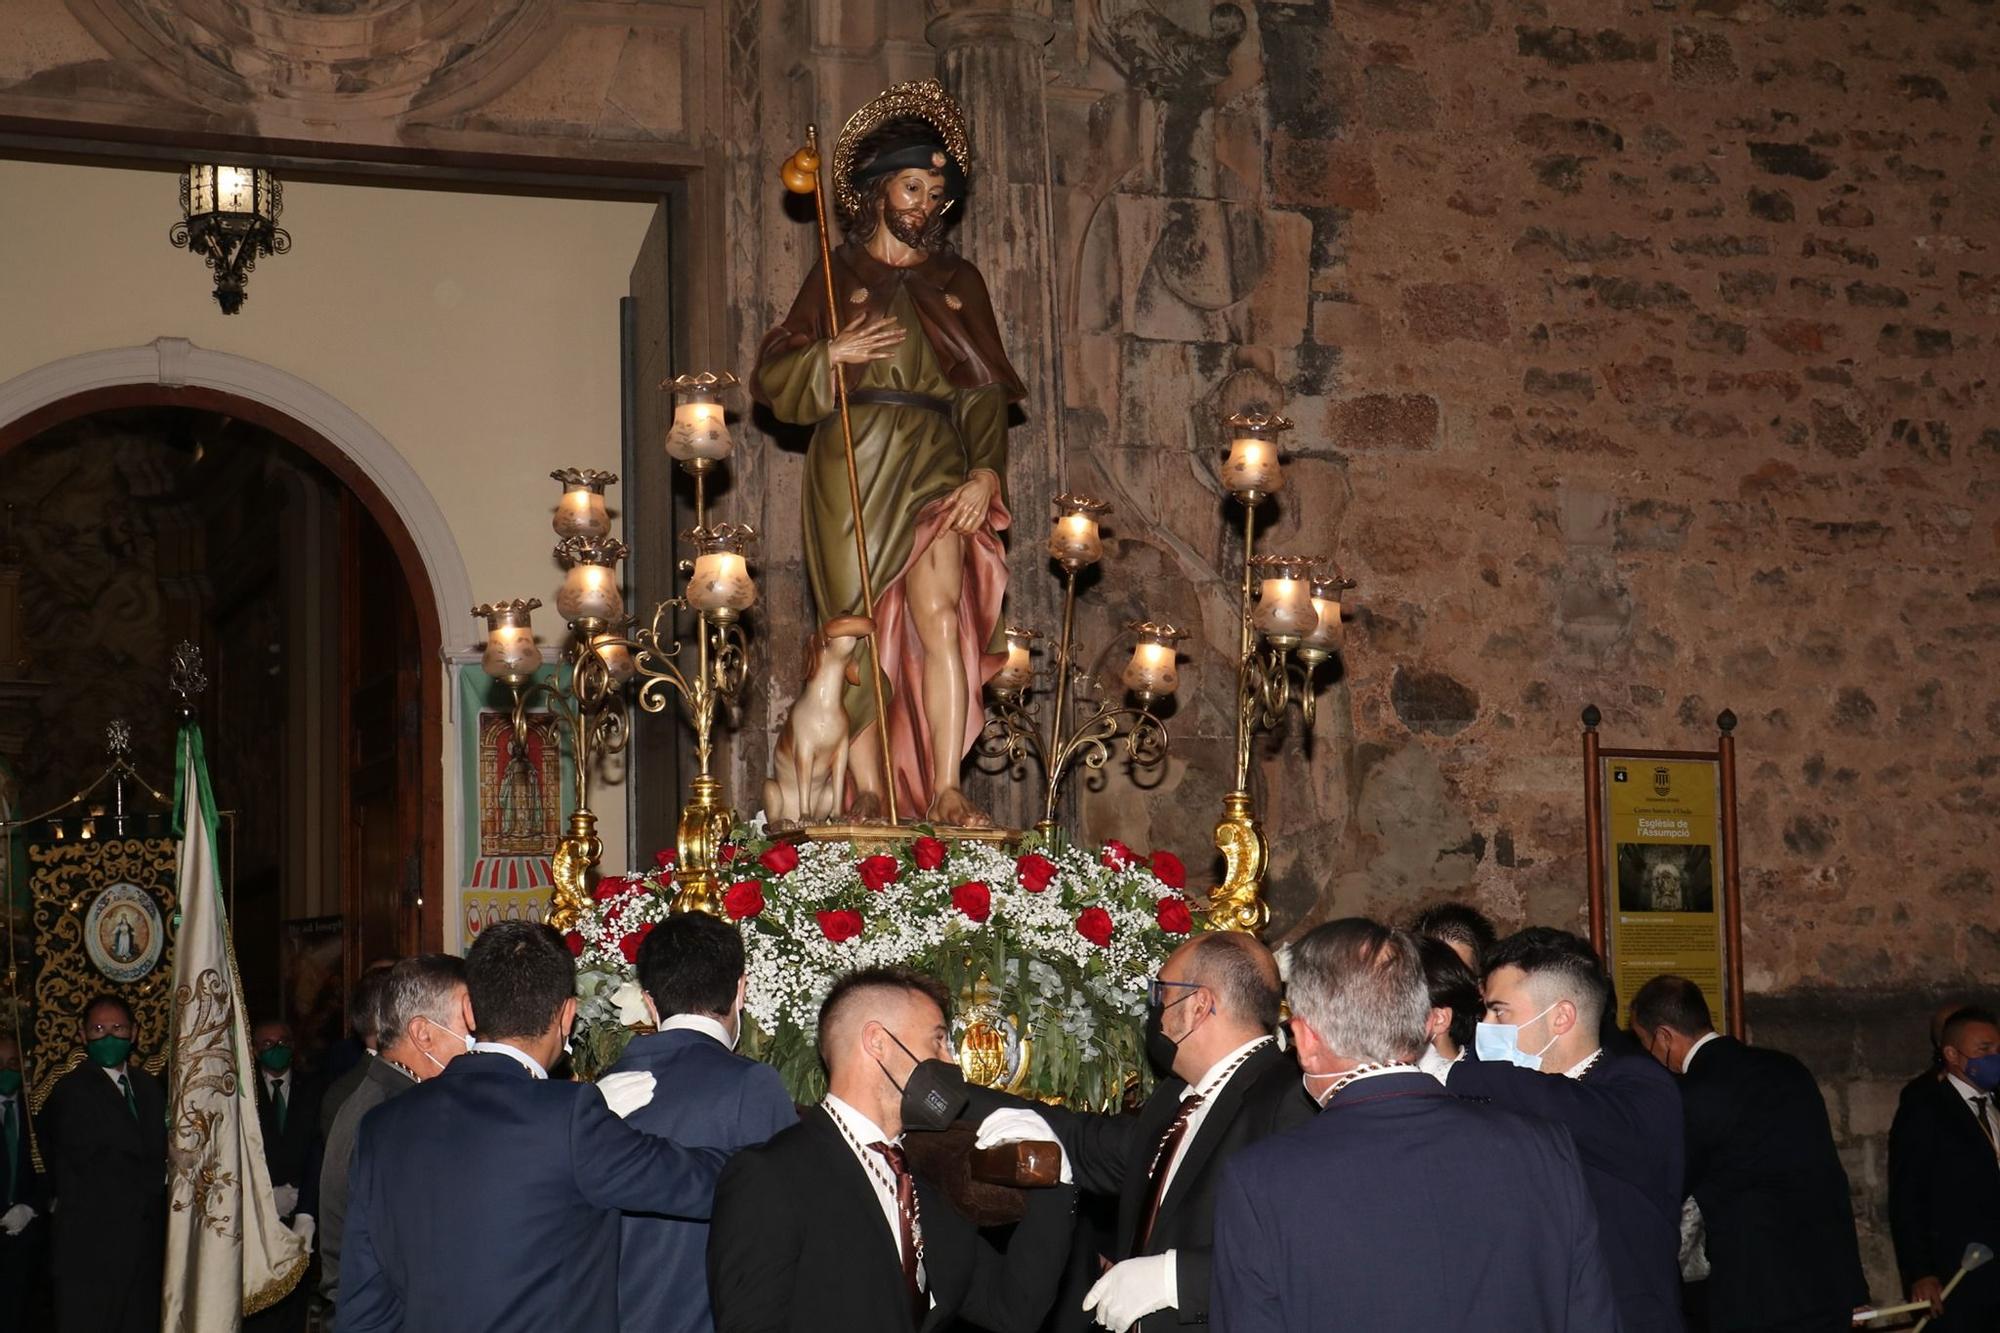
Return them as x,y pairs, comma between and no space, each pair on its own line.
178,363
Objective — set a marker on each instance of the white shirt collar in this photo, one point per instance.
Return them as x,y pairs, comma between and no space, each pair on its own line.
283,1077
702,1023
514,1053
1964,1089
116,1073
1582,1067
1688,1059
1219,1072
864,1130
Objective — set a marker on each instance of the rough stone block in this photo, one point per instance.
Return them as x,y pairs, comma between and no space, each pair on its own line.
1569,46
1393,421
1454,311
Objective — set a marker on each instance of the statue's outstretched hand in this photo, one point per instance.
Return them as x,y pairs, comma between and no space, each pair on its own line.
967,506
870,340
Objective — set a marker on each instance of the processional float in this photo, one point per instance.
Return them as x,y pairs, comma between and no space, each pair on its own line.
890,343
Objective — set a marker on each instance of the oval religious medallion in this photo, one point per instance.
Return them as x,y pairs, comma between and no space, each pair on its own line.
123,933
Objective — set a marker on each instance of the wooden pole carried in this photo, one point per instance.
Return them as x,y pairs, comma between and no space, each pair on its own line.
795,173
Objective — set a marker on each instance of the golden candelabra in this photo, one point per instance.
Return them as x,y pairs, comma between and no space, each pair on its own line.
1013,733
1287,628
602,655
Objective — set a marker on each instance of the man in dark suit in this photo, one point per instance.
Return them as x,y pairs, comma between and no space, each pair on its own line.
1762,1167
1400,1206
288,1103
1944,1176
486,1199
826,1229
691,972
1212,1019
1546,994
104,1139
425,1023
347,1060
24,1226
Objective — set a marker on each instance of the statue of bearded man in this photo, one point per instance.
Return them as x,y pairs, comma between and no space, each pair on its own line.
928,388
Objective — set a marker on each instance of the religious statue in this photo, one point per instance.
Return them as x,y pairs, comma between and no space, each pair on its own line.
918,448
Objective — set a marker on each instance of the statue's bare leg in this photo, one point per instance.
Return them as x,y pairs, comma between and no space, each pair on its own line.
935,584
871,784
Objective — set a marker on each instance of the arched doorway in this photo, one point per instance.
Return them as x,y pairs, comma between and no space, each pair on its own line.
397,565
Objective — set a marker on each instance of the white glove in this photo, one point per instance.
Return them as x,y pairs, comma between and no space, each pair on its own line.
15,1220
305,1229
627,1092
1017,1124
1134,1289
286,1199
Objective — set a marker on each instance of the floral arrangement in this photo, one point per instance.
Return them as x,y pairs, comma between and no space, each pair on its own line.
1060,940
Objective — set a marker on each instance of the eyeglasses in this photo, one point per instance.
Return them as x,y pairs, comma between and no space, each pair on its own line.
1157,987
108,1030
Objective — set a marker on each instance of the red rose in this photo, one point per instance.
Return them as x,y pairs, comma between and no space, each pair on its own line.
629,946
973,899
928,853
838,926
781,858
879,872
575,943
727,854
1095,926
1117,855
1173,915
1167,869
664,858
743,898
1035,871
609,887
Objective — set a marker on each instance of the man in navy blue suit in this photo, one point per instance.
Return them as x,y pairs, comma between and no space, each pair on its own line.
1400,1206
691,971
1545,995
487,1199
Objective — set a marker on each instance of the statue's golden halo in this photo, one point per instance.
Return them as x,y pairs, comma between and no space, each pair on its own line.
924,99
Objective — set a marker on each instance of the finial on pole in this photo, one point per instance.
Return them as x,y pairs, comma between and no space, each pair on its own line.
186,678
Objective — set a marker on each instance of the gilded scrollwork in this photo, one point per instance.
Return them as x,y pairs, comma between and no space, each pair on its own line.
197,1179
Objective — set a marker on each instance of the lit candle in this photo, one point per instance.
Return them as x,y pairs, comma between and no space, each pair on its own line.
511,655
721,582
1252,467
589,592
1074,540
1252,471
699,438
1285,611
700,431
581,512
1152,673
616,655
1018,672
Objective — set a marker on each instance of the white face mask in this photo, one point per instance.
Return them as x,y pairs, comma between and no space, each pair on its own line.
465,1037
1500,1043
1319,1097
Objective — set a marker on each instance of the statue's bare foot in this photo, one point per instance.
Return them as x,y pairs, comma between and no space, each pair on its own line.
867,809
949,807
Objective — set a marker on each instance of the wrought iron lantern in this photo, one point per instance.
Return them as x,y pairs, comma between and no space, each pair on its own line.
229,216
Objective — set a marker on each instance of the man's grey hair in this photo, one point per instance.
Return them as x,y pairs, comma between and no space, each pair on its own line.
1360,986
426,986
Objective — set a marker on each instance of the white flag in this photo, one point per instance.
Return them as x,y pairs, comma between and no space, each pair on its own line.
227,1253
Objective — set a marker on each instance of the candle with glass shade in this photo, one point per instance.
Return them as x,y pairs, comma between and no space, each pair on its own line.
603,653
1013,732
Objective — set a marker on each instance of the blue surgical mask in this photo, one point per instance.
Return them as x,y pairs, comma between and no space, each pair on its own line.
1500,1043
1983,1072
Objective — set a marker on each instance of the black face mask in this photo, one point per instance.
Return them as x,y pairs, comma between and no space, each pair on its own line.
1160,1048
933,1094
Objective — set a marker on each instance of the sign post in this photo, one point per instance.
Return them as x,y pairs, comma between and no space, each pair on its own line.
1663,866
